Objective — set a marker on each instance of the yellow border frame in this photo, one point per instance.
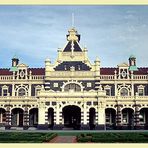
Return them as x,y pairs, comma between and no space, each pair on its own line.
73,2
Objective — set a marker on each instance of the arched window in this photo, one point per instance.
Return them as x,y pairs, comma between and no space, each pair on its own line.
124,92
72,87
21,92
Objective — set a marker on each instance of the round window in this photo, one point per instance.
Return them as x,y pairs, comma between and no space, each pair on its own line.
123,74
22,74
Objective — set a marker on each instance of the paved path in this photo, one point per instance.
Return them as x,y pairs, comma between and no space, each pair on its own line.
64,139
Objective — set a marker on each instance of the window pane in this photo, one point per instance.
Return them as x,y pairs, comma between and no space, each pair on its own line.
5,91
108,92
72,86
21,92
124,92
141,92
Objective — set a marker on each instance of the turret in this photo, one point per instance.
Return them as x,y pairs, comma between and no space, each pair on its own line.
97,66
15,61
132,63
47,66
97,62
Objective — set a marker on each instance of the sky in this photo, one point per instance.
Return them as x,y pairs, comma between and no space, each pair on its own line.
112,33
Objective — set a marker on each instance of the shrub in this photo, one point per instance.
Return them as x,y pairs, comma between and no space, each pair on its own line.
84,139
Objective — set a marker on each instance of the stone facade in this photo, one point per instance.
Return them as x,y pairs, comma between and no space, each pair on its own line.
73,93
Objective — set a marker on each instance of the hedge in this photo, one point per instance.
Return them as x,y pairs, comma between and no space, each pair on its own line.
114,137
20,137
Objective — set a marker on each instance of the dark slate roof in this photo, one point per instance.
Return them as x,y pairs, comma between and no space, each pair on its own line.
79,66
76,47
141,71
108,71
37,71
103,70
5,71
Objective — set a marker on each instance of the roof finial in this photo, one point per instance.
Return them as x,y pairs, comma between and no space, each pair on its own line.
73,19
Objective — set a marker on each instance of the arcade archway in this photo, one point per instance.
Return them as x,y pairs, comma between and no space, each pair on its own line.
72,116
17,117
110,115
50,117
127,118
2,116
92,118
33,117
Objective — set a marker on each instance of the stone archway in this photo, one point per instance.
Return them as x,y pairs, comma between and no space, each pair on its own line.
33,117
110,118
2,116
17,117
143,117
72,116
92,118
128,118
51,117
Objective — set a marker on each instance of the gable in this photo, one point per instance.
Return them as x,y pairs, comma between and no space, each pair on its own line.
72,45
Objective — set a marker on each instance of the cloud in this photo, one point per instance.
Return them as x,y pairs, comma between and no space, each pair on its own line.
35,32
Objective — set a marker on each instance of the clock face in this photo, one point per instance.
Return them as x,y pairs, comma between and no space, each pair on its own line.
124,74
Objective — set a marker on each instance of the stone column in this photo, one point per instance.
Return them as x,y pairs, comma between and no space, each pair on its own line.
136,117
60,117
101,116
41,116
84,124
29,90
46,116
26,118
132,89
57,118
13,89
118,117
8,118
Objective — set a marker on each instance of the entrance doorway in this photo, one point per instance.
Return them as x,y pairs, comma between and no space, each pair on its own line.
72,116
